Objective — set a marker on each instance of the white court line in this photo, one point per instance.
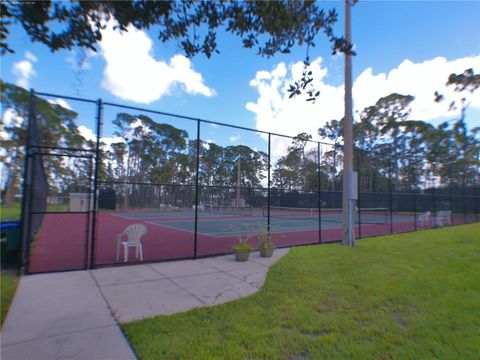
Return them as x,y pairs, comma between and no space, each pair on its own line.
141,218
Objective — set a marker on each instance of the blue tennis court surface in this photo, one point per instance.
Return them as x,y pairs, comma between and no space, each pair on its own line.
187,214
241,226
170,215
381,216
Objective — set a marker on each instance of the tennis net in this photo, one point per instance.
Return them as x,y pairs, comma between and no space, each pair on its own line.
228,210
367,215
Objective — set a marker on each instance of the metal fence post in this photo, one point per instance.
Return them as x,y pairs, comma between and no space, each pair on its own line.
87,230
319,194
95,182
268,183
197,176
414,198
358,192
434,207
27,182
390,194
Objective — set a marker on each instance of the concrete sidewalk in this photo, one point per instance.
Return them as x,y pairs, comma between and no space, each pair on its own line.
74,315
61,316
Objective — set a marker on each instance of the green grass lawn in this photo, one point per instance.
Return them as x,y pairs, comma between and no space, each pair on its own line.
8,286
407,296
9,281
11,213
15,212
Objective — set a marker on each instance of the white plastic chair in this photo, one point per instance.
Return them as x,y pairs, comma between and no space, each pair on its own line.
132,233
424,219
443,218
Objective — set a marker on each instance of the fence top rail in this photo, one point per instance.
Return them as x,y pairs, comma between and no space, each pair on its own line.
65,97
175,115
61,148
62,154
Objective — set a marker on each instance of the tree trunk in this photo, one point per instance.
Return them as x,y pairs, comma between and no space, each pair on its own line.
10,190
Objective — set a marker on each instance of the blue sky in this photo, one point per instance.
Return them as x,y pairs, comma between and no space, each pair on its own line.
406,47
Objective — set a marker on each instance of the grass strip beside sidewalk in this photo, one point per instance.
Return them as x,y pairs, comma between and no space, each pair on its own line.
9,283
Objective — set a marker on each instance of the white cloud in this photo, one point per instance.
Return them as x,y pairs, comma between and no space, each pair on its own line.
132,73
23,70
10,119
234,138
60,102
418,79
275,112
88,134
30,57
206,144
215,126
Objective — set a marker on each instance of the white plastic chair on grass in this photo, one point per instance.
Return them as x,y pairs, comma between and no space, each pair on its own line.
133,234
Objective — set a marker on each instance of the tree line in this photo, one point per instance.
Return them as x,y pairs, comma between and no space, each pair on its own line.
391,151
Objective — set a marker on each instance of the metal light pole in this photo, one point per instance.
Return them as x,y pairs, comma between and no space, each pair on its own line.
349,177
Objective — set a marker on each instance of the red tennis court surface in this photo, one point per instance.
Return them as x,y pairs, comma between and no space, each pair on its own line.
63,241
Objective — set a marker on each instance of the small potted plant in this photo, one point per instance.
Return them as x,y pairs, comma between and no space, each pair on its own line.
242,249
266,244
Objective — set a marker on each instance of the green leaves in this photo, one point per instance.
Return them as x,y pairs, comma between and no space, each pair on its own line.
467,81
161,153
57,127
297,169
304,85
193,24
407,152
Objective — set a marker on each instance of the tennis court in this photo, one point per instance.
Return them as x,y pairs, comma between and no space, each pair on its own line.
62,242
195,192
283,219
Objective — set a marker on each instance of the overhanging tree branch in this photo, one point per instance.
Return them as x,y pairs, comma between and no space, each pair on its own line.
270,26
